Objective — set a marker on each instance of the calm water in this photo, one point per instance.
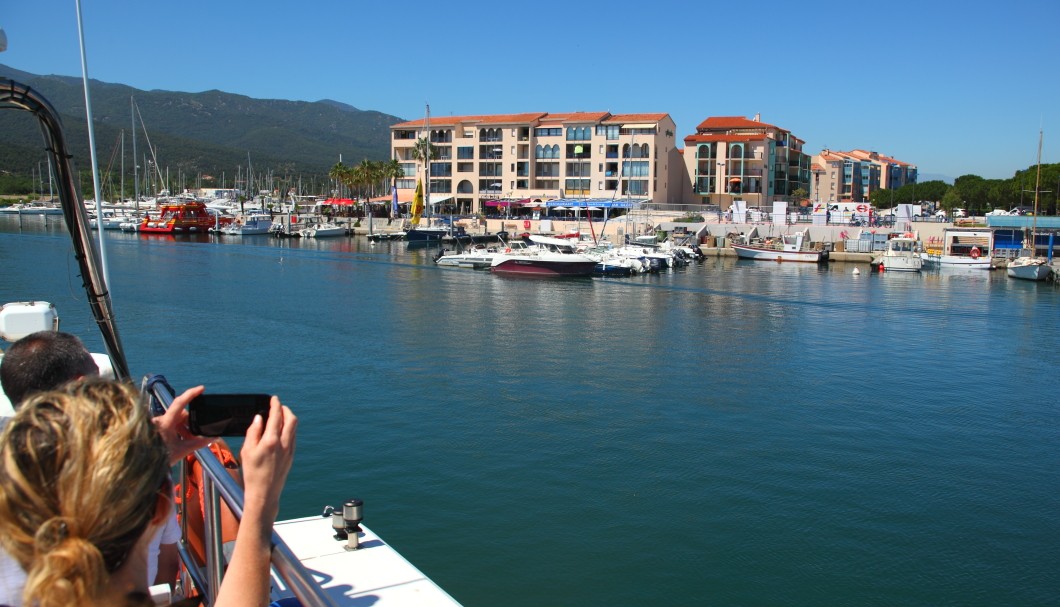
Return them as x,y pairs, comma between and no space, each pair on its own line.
737,433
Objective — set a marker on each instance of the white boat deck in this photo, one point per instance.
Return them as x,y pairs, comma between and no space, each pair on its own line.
373,575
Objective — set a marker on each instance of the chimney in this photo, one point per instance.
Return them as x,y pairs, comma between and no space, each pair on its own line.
758,117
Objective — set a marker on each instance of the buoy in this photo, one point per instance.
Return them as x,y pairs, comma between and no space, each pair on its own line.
856,271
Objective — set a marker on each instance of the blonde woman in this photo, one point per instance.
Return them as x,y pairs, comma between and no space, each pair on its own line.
84,484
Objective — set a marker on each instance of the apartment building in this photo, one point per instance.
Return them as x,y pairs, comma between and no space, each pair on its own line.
732,157
540,156
853,176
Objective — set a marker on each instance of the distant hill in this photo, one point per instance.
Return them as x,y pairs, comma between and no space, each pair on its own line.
207,133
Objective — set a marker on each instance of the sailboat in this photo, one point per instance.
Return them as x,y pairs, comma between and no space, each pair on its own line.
428,233
1031,266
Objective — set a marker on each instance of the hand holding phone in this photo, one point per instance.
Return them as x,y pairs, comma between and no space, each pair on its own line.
226,414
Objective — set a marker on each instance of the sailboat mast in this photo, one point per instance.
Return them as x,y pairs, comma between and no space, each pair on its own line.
427,123
1037,190
136,159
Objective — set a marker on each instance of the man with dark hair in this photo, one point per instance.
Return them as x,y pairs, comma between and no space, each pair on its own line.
43,361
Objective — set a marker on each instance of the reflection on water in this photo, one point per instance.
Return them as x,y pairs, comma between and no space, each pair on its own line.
731,433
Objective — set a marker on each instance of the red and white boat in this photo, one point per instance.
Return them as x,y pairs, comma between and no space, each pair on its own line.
547,257
183,217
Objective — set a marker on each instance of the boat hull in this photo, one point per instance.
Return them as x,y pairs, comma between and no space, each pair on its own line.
421,235
957,261
543,267
1029,271
764,254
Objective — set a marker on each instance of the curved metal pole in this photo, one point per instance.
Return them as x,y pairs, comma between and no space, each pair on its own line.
20,96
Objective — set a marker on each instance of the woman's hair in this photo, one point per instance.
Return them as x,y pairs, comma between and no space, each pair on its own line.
80,472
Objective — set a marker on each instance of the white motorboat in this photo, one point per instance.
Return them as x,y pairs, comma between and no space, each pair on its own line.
902,255
478,257
323,230
253,223
786,247
548,257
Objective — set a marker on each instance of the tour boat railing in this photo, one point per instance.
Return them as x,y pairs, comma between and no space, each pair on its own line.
219,485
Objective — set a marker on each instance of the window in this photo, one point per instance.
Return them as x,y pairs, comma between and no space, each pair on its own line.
465,153
635,169
610,131
579,133
548,132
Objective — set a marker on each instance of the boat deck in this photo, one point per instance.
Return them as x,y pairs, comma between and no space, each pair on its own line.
373,575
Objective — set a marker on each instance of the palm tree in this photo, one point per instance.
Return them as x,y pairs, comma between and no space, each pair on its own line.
392,171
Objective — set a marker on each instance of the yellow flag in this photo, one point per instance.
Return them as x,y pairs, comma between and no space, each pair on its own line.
417,204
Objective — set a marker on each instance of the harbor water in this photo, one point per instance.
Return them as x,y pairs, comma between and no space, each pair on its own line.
730,433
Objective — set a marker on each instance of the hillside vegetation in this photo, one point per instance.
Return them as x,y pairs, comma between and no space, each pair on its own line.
198,137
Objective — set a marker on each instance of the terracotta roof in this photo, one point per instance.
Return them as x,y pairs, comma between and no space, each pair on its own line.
484,119
546,119
732,122
733,138
622,118
578,117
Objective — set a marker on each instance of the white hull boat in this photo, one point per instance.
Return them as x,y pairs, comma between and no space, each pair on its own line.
252,224
787,247
324,230
901,256
961,248
1029,268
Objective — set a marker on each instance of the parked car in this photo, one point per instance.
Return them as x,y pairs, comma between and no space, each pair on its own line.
940,214
1022,211
960,213
997,212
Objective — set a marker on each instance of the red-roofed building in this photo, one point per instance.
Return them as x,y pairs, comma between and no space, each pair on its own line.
853,176
541,155
732,157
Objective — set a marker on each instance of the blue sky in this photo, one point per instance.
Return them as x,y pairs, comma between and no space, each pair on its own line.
953,87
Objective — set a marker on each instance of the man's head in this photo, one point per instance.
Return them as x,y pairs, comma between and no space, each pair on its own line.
43,361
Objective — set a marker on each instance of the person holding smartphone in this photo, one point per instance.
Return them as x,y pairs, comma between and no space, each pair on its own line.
84,484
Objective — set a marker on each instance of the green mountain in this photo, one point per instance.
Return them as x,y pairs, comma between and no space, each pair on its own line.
195,135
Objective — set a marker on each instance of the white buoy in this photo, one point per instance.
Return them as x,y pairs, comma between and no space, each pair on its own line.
856,271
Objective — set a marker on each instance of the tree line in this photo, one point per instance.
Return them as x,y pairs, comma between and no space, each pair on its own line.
980,196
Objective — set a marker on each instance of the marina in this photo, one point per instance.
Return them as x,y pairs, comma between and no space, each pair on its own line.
730,432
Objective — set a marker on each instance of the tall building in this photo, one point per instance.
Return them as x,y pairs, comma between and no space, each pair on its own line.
732,157
853,176
540,156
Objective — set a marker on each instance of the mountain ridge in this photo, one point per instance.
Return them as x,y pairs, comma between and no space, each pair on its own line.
208,133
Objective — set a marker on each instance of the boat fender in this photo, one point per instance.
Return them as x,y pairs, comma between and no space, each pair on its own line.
975,253
508,250
294,218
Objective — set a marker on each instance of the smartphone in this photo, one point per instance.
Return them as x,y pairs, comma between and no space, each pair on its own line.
226,414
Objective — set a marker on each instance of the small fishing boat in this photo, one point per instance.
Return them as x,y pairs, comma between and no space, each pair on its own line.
787,247
323,230
254,223
902,255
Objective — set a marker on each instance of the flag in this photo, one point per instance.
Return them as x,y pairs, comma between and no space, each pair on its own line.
394,201
417,204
